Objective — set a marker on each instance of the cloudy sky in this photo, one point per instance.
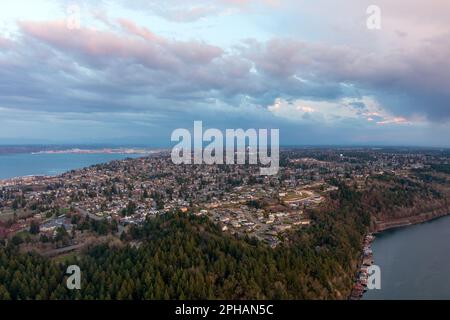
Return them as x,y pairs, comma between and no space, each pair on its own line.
132,73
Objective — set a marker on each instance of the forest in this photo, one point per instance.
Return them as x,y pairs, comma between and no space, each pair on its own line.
182,256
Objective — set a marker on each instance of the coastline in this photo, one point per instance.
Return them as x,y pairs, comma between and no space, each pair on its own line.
130,151
359,287
361,275
381,226
44,168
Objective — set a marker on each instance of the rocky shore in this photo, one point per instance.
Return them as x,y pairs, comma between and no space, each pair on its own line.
380,226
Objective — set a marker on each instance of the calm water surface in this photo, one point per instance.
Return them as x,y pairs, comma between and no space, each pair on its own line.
16,165
414,262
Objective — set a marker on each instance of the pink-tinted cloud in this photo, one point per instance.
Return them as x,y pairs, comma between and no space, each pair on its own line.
143,32
189,51
138,45
415,79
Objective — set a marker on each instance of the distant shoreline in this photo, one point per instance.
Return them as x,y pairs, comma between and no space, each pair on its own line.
77,148
100,151
47,171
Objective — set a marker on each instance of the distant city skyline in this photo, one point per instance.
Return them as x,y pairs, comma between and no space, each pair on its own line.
115,72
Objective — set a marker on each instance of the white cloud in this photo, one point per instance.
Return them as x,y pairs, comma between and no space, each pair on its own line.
365,110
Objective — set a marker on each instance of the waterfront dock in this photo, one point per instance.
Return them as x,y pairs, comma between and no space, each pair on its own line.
361,277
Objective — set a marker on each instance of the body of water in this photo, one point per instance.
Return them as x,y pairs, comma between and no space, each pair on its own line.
414,262
25,164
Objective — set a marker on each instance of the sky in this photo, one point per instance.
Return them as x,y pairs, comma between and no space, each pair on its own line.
131,72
